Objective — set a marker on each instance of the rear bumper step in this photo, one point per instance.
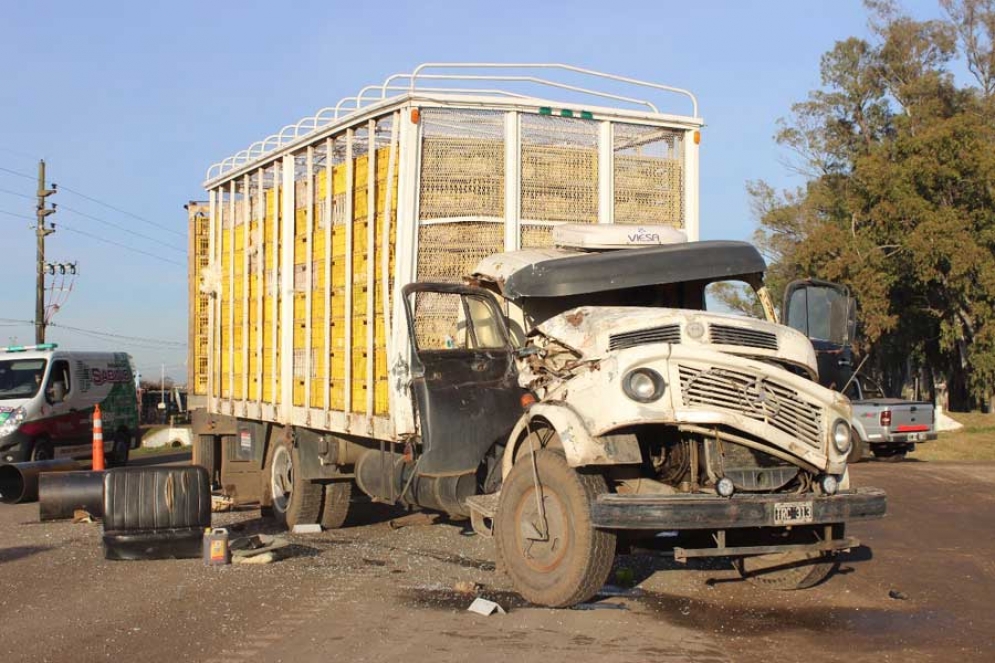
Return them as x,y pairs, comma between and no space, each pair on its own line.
702,512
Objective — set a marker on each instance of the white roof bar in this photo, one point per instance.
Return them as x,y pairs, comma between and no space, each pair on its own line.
331,114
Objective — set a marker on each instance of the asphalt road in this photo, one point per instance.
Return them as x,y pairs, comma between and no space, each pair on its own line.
920,589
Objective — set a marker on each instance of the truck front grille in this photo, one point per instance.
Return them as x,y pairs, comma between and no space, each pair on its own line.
754,396
751,338
664,334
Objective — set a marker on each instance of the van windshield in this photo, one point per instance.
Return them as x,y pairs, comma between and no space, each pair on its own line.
21,378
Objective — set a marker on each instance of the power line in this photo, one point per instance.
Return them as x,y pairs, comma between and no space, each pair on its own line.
15,214
118,209
63,226
14,172
18,194
175,345
122,228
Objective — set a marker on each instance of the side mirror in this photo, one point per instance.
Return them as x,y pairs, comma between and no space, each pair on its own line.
58,392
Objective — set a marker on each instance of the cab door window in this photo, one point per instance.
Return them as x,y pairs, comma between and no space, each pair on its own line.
456,321
59,382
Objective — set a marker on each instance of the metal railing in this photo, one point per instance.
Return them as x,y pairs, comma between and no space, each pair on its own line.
367,97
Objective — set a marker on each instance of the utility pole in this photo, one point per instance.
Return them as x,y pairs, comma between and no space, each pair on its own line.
41,232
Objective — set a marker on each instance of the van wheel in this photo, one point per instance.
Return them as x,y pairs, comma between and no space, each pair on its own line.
120,449
559,560
295,500
42,450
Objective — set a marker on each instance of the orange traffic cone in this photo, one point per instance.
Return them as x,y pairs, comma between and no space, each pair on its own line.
98,439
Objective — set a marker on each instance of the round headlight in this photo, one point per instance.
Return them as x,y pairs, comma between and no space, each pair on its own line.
725,487
841,436
829,484
643,384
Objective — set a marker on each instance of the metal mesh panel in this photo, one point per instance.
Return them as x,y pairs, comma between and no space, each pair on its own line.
649,175
559,169
449,251
536,236
462,164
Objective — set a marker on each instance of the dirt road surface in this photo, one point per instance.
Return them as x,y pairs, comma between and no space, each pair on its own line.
921,589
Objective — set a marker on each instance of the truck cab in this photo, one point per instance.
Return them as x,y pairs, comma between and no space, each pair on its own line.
625,402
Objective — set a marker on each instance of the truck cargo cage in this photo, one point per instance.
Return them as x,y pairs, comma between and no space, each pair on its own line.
311,232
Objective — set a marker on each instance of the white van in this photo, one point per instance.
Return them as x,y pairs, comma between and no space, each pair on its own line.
47,398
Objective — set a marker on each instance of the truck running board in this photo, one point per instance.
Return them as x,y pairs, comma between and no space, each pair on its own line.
482,511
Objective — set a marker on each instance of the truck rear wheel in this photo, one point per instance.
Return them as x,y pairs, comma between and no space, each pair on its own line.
335,508
295,500
559,560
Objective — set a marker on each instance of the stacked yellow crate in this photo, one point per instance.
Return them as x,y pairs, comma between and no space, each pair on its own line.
225,324
238,303
270,290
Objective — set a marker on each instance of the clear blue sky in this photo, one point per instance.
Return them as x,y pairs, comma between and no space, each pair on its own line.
129,102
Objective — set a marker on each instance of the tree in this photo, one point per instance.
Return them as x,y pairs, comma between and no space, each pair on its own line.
899,202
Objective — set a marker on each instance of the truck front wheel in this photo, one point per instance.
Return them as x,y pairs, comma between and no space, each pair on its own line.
789,570
857,449
295,500
552,553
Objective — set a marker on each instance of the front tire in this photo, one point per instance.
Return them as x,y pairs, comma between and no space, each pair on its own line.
42,449
120,450
295,500
788,571
572,561
857,449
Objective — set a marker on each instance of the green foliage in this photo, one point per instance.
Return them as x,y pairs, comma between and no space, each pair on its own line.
899,202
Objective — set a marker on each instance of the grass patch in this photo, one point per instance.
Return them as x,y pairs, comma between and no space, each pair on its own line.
974,442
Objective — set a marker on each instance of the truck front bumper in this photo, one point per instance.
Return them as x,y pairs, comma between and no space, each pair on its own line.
702,512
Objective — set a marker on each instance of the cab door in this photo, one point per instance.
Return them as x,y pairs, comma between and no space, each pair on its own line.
827,314
464,381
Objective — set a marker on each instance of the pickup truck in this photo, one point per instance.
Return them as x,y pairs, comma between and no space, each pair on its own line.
888,427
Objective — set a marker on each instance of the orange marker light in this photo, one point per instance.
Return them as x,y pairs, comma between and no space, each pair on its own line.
697,138
415,115
528,400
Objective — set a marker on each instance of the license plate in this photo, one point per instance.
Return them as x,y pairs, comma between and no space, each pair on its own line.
916,437
792,513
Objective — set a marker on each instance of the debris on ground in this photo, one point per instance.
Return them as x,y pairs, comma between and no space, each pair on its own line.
615,590
82,516
258,545
466,587
419,519
307,528
222,503
599,605
897,595
264,558
486,608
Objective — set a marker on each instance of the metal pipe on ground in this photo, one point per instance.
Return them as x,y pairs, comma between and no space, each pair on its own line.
19,481
61,494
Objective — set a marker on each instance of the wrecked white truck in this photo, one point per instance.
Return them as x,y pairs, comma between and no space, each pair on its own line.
480,301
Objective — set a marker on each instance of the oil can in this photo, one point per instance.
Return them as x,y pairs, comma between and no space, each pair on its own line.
216,549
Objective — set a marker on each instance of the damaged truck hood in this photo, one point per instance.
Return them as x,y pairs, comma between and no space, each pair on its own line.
596,331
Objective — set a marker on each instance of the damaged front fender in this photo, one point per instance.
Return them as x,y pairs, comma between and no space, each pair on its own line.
579,446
